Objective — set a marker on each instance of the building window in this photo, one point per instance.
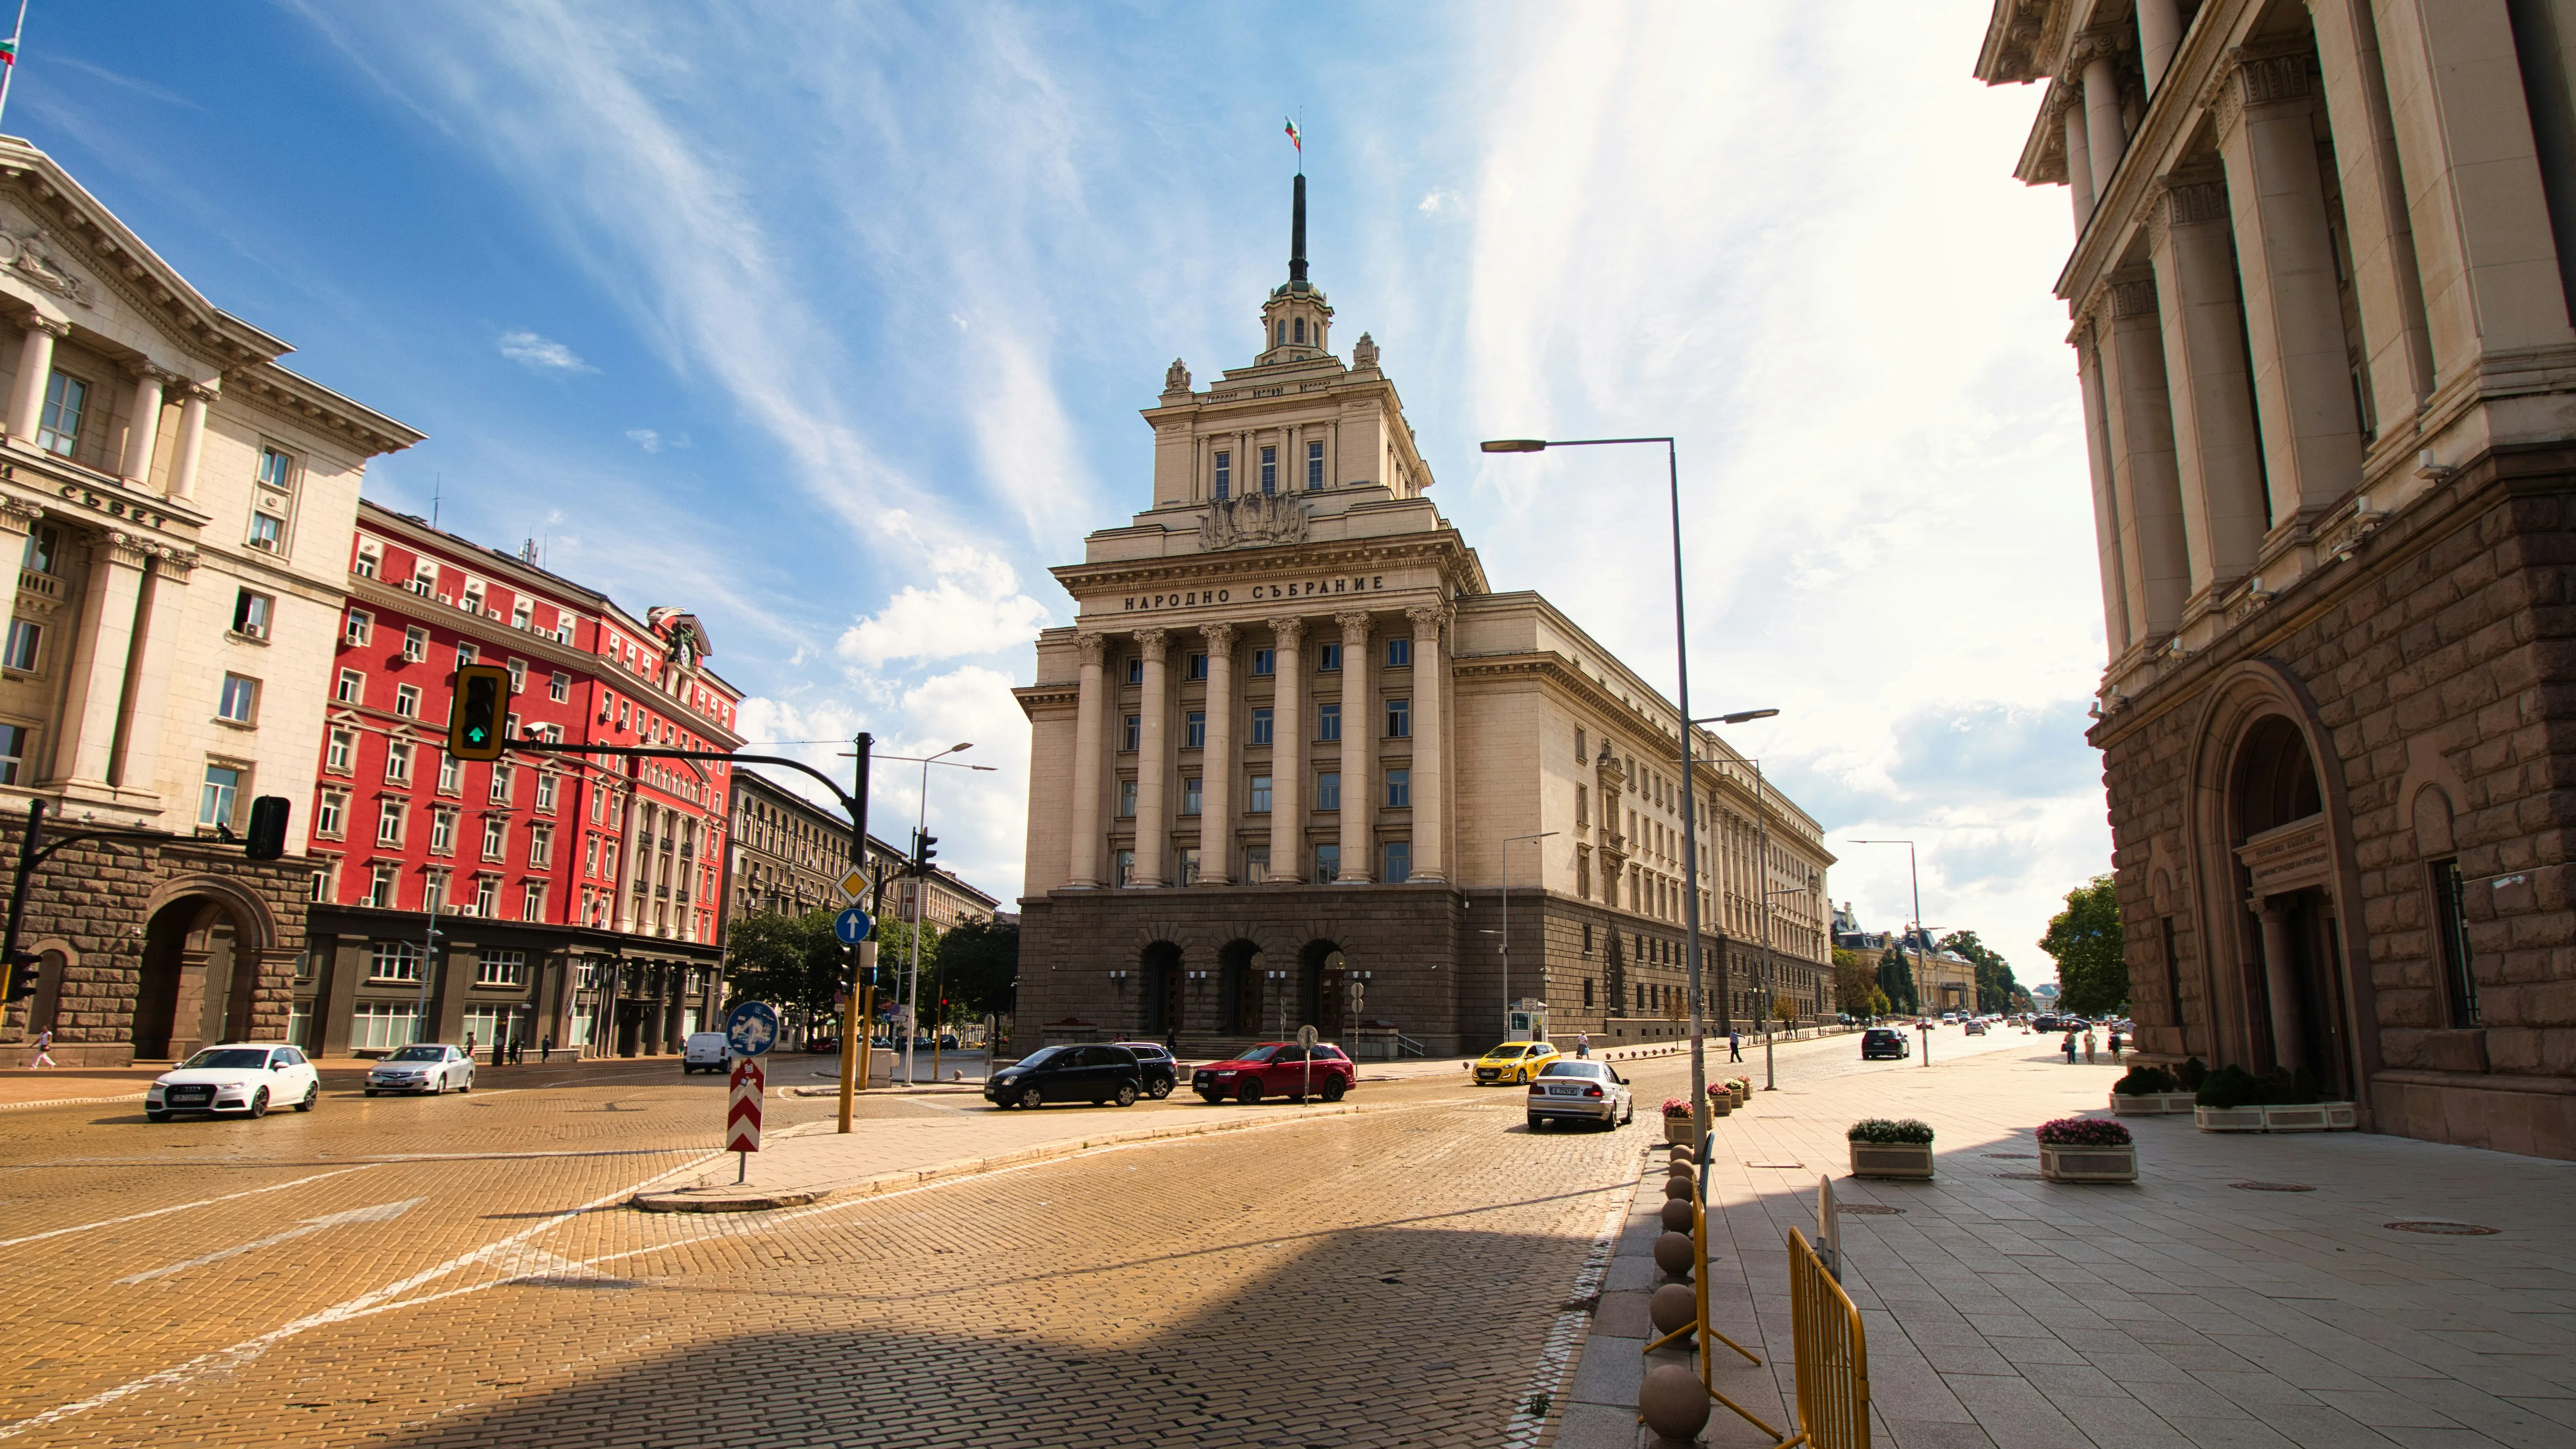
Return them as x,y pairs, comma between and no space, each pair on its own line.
501,968
389,822
1399,718
1135,727
487,897
546,791
1587,985
1189,867
1224,476
221,793
352,688
1314,467
384,1025
380,888
1583,886
541,847
1193,795
532,902
1262,664
1123,864
1260,803
25,641
331,817
1582,804
1194,730
370,558
43,542
1328,790
1126,799
320,896
466,653
1587,938
407,700
559,688
2451,921
1399,861
1256,864
238,702
1399,789
501,782
415,643
1328,863
442,832
1328,722
1399,653
267,530
250,614
58,427
1195,667
496,837
398,762
14,740
276,469
1328,658
451,775
1136,669
1269,471
342,753
1261,726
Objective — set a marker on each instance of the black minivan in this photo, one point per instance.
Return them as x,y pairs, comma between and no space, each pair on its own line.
1094,1074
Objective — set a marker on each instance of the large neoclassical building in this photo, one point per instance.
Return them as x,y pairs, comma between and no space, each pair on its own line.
2321,285
1294,745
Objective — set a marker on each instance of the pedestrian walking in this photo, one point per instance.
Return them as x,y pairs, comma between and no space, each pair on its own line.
518,1049
545,1048
469,1046
44,1055
1582,1045
2069,1046
2089,1044
1735,1046
2115,1046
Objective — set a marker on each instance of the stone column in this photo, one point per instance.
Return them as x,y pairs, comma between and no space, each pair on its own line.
2079,154
164,598
2293,311
2106,136
2152,554
35,366
95,680
1153,822
1430,778
1088,748
2281,984
194,397
1359,736
2106,503
16,518
143,425
2159,35
1288,754
1216,761
2217,450
630,861
2387,282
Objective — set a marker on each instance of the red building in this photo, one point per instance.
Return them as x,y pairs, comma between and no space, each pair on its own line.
575,897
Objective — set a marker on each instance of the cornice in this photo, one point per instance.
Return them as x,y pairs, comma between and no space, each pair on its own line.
1444,546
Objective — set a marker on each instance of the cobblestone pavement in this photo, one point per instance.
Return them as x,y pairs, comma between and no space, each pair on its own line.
453,1271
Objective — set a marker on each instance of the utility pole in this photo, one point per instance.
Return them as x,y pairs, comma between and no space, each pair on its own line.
856,1001
1762,829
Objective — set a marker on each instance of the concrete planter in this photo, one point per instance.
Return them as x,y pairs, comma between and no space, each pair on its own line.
1891,1159
2314,1117
2088,1164
2228,1119
2150,1104
1740,1091
1720,1103
1677,1128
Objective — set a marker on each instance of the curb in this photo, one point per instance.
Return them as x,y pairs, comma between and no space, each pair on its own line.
719,1200
70,1102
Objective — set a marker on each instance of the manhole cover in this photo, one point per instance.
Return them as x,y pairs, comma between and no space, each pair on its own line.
2422,1225
2021,1176
1867,1209
2017,1156
2271,1187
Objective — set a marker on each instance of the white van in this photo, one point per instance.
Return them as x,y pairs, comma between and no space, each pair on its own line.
705,1053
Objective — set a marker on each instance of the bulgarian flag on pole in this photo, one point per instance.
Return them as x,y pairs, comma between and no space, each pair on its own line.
9,51
1296,140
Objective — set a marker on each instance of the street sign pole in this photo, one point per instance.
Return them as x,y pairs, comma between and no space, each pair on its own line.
862,747
1306,1038
751,1029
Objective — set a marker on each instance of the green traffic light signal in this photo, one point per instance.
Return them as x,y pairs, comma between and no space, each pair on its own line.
474,720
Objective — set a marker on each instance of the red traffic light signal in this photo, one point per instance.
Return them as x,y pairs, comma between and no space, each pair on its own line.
481,708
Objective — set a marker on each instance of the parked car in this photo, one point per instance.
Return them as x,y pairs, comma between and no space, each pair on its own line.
1094,1074
1975,1027
703,1052
1278,1069
1570,1091
247,1077
432,1067
1154,1062
1514,1062
1884,1041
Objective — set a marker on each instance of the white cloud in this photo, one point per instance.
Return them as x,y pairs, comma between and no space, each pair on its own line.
973,606
541,354
1436,201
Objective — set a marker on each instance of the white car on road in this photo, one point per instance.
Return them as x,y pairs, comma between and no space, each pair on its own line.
1570,1090
240,1076
431,1067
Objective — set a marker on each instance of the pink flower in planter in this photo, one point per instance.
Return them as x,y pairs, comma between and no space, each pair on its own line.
2083,1132
1676,1107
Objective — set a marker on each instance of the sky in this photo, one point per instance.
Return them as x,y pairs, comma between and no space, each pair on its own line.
831,323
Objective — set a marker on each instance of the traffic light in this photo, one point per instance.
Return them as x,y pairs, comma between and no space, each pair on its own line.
482,705
267,827
923,850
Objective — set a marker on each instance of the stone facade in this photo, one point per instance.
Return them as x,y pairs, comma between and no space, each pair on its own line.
2322,324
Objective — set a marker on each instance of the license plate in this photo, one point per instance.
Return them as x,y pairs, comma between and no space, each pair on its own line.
1562,1092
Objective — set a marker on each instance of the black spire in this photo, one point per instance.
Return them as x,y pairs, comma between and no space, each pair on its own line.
1297,235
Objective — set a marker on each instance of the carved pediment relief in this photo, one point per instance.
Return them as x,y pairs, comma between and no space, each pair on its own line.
1255,521
31,253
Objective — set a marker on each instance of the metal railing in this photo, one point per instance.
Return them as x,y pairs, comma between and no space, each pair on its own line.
1833,1354
1408,1046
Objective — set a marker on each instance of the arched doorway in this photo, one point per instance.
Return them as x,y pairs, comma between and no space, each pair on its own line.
1324,986
197,980
1165,982
2291,948
1239,993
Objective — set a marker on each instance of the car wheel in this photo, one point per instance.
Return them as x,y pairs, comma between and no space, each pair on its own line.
151,1116
259,1103
1126,1094
1249,1094
371,1091
1334,1088
1160,1089
468,1084
1212,1098
1535,1123
312,1094
1033,1099
438,1085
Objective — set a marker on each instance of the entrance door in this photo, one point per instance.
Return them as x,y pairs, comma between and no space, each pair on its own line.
2320,977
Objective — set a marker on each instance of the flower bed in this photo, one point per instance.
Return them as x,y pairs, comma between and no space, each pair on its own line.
1720,1100
2149,1091
1884,1148
2086,1149
1677,1119
2233,1099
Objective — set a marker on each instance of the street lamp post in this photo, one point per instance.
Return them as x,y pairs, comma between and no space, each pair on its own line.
921,895
1917,879
1507,929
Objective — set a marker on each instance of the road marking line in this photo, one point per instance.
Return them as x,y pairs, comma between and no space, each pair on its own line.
1571,1329
69,1102
181,1207
381,1212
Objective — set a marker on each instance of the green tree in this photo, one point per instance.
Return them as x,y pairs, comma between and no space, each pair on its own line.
894,963
791,962
1855,984
979,967
1995,984
2086,942
1896,981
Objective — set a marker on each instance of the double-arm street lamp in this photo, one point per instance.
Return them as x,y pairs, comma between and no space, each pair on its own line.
1917,879
1507,928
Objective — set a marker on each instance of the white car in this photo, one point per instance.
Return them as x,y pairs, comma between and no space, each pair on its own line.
242,1076
705,1051
1568,1090
430,1067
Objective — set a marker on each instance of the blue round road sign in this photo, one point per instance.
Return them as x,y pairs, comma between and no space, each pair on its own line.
851,926
751,1028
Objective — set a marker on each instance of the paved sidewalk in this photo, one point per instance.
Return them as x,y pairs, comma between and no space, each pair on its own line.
2194,1308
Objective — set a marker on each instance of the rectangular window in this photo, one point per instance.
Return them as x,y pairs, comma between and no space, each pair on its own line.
1399,718
1134,730
1328,658
238,701
1328,722
2173,972
501,968
380,887
1269,471
532,904
1314,467
1399,861
352,688
1262,664
1328,790
496,837
384,1025
559,688
25,637
1123,864
442,832
1136,669
1582,804
393,960
451,775
276,469
58,427
487,897
342,754
1224,476
1261,726
1399,653
331,817
407,700
221,793
415,643
1399,789
541,847
250,614
14,748
1260,795
590,856
267,531
1193,795
1189,866
1587,938
1256,864
546,791
370,559
1195,667
1583,883
1328,863
398,762
466,653
2451,928
1126,799
43,542
1194,730
501,782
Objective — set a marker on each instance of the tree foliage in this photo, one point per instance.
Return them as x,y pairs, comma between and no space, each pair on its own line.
1896,982
1855,984
1995,985
791,962
2086,942
979,968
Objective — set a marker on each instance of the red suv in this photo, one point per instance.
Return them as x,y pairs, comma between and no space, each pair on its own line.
1278,1069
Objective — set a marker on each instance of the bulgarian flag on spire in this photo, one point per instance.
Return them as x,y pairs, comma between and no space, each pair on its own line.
1296,140
9,51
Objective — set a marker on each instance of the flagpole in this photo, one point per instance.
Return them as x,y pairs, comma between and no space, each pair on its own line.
9,72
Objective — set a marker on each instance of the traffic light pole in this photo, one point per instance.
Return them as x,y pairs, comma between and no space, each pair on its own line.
34,850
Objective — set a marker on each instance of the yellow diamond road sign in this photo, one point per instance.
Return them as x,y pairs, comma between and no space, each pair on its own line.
854,885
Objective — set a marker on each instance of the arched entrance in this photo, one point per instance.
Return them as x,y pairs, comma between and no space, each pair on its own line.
1165,982
196,984
1239,993
1324,986
2283,845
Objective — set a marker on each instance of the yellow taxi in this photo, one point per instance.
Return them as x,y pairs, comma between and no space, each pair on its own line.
1514,1062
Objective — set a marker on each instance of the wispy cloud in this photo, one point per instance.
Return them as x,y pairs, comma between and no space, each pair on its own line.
541,354
973,606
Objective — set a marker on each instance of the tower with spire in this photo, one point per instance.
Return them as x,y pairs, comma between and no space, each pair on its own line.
1295,322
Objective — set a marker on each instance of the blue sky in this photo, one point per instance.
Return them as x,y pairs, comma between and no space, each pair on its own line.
831,324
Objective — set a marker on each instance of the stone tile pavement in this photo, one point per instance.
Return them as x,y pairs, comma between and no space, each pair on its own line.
2185,1310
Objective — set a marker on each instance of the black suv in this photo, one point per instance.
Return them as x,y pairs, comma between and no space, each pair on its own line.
1884,1041
1154,1063
1094,1074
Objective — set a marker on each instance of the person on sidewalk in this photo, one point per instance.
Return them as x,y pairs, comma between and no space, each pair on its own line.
469,1046
2089,1044
1735,1046
2115,1046
545,1049
2068,1046
44,1054
1582,1046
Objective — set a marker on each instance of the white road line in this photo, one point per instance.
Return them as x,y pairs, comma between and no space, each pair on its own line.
381,1212
250,1349
182,1207
69,1102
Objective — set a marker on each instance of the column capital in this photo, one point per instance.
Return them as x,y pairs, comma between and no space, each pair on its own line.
146,370
176,563
2194,194
1220,637
1092,648
192,390
131,550
1355,624
50,326
1428,620
17,515
1155,642
2266,76
1289,628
